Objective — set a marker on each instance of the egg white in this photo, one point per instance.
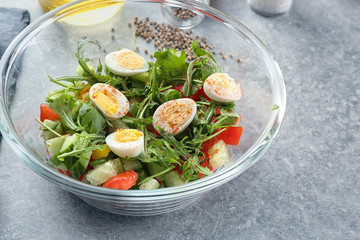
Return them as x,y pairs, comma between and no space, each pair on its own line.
214,88
111,61
161,118
125,149
123,102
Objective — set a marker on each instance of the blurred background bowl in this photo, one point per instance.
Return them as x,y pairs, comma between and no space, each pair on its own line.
47,47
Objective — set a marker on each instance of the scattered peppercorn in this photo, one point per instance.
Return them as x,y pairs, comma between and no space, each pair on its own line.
166,36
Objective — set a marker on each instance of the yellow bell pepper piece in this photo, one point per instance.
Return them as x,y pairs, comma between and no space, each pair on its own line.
100,153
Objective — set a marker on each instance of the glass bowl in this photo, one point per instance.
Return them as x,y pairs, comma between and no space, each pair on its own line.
47,47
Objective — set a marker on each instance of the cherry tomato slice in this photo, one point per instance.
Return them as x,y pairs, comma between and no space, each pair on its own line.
122,181
231,136
47,113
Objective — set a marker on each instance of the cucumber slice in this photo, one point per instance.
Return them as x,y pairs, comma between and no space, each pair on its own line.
155,168
103,172
150,184
50,124
131,164
173,178
121,167
80,166
47,135
59,128
68,143
54,145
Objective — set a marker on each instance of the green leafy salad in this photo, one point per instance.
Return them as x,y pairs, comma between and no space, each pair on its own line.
132,124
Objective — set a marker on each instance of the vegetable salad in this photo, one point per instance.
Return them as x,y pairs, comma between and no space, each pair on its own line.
129,124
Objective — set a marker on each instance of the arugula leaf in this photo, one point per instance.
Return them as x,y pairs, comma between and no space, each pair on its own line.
153,83
171,62
178,146
226,106
199,51
168,95
136,121
91,119
199,69
63,106
191,168
274,107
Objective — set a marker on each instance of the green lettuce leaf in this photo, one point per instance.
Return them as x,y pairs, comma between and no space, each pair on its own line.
171,62
91,119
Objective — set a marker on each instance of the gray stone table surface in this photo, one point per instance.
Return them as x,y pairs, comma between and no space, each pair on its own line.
305,187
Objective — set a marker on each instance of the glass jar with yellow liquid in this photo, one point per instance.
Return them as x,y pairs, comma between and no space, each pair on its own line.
89,12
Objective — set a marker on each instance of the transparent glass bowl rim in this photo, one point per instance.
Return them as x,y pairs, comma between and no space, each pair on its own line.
198,186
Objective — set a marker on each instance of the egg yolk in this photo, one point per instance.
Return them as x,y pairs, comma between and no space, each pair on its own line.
106,101
130,60
177,114
127,135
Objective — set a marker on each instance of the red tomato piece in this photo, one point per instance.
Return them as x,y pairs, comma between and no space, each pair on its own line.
81,177
151,128
207,145
176,169
122,181
64,172
231,136
218,111
179,88
195,96
47,113
237,121
205,164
